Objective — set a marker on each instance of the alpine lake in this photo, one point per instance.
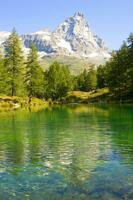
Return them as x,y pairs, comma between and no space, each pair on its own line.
69,152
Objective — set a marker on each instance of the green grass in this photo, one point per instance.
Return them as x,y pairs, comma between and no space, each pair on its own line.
98,95
11,103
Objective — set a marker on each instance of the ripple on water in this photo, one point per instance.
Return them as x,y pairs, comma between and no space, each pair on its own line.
79,153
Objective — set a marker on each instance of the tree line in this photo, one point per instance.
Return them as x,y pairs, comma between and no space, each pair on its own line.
25,77
117,73
20,76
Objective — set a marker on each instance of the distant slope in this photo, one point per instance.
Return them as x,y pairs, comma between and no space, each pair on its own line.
75,65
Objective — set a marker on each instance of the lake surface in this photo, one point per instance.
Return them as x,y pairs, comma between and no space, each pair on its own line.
67,153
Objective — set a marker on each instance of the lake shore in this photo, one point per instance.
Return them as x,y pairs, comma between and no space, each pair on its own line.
100,96
8,103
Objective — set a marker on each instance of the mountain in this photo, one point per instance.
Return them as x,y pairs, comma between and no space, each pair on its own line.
72,38
3,36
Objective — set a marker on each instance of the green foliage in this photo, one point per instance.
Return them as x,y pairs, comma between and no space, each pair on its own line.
117,74
17,78
130,64
34,76
58,81
87,80
13,64
102,76
3,76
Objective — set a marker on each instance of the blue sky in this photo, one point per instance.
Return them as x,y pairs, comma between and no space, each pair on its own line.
110,19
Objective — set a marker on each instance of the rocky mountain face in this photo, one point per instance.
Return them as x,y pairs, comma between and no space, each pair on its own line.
72,38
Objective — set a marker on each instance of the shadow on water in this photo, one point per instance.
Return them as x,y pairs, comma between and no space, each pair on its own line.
67,152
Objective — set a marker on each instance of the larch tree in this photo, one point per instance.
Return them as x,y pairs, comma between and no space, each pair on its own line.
14,63
34,76
3,76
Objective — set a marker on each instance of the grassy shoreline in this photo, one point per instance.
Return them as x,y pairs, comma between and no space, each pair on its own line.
102,96
99,96
8,103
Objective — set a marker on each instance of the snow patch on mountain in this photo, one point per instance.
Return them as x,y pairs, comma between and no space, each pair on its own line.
64,44
3,36
71,38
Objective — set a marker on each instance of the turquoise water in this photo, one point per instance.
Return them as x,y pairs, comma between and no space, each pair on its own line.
69,152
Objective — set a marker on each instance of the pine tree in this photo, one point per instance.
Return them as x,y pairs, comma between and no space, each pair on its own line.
3,76
130,64
59,81
91,80
118,76
14,64
34,76
87,80
102,74
81,85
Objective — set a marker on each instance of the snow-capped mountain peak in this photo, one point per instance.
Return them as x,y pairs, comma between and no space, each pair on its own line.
76,31
73,37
